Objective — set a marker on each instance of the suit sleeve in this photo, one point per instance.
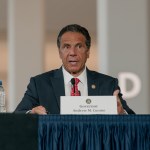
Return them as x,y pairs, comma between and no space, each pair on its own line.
123,102
30,98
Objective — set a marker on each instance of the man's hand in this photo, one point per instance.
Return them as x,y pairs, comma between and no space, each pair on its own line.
38,110
119,105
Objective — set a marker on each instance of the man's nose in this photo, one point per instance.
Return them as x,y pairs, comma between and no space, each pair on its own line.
73,51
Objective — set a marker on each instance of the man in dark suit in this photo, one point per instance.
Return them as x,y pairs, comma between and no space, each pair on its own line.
44,91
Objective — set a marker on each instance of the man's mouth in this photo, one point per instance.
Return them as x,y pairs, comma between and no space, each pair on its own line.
73,62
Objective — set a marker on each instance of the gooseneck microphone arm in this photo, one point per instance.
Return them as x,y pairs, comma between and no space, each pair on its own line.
73,84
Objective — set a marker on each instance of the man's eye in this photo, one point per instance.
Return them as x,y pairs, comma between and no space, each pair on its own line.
66,46
79,46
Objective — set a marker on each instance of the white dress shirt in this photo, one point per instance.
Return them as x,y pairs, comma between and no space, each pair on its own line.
82,85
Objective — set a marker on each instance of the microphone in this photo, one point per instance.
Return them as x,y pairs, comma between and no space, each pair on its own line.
73,83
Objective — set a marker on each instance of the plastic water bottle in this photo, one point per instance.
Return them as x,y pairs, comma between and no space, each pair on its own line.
2,98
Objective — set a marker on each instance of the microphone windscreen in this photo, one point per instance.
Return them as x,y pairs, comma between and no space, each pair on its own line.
72,81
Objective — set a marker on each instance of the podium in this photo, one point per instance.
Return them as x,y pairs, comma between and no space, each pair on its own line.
74,132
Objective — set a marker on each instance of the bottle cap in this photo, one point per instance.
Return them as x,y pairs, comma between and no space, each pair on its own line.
0,82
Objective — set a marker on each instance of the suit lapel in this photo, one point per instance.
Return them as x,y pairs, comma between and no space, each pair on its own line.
58,85
93,83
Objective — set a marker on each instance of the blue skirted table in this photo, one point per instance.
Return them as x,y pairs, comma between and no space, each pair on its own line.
94,132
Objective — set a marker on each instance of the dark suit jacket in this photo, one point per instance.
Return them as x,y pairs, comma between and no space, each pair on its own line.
46,89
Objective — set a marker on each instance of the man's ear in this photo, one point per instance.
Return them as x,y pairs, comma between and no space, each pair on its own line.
88,53
59,54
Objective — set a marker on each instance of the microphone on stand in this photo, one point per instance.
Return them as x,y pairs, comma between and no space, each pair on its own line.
74,89
73,83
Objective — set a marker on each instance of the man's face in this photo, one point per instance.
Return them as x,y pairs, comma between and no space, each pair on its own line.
73,52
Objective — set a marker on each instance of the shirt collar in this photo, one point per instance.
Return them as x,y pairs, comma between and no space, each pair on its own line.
67,76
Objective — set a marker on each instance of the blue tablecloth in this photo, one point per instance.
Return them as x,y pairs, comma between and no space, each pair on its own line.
94,132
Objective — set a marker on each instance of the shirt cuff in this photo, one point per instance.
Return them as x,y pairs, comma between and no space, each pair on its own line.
28,112
125,112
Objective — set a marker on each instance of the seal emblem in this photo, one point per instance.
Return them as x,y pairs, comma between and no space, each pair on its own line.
88,101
